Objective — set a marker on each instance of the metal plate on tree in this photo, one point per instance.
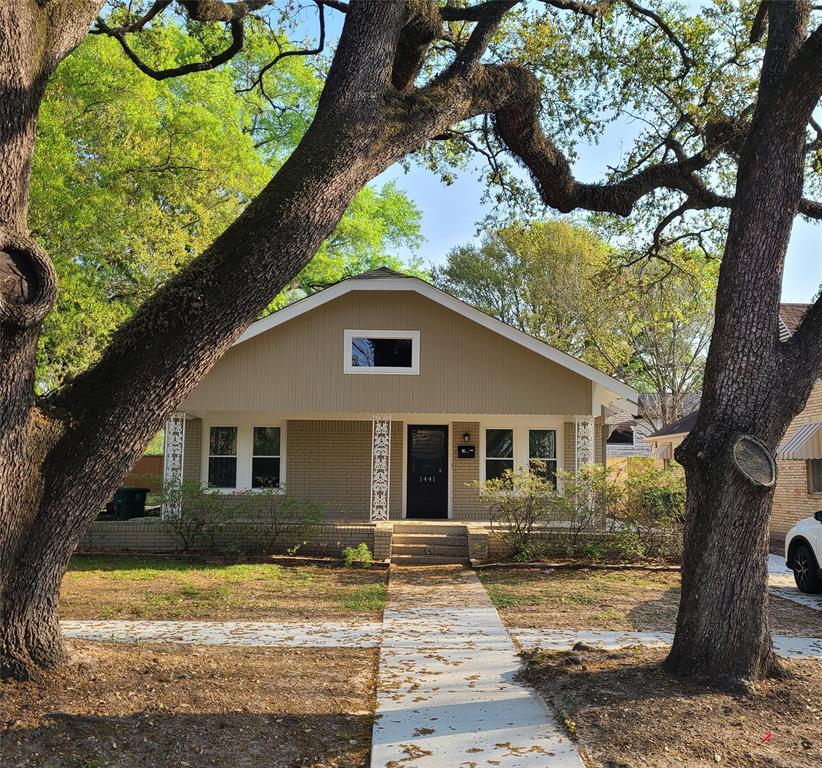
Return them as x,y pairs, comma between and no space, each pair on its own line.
754,460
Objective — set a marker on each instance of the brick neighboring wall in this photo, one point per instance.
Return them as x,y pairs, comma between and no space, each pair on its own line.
153,537
792,499
465,501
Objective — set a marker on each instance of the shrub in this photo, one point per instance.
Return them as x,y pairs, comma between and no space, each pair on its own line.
188,511
592,516
236,523
357,557
520,503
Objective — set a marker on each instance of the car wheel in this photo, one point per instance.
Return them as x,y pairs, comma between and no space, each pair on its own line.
805,570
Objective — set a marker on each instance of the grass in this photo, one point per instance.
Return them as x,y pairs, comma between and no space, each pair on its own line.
608,600
113,587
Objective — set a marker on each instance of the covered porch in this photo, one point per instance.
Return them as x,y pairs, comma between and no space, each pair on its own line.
375,467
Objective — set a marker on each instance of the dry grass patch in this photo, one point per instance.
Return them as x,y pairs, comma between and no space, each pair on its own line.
120,706
115,587
626,712
610,600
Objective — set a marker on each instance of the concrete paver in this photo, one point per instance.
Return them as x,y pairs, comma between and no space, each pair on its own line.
447,694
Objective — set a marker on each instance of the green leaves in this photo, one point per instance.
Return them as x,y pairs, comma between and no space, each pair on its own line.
133,178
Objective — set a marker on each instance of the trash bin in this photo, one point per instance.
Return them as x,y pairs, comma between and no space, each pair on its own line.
128,502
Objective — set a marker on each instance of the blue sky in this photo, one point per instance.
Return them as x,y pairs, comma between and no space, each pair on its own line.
450,215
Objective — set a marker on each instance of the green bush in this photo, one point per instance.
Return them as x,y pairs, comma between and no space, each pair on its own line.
263,521
357,557
592,516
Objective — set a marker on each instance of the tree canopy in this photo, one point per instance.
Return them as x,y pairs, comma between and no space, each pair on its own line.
134,177
646,322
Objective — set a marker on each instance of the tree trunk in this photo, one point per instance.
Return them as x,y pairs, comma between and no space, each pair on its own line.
75,448
752,387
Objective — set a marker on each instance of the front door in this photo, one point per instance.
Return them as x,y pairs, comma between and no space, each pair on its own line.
427,487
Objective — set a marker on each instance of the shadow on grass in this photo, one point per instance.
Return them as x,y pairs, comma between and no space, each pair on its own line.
160,738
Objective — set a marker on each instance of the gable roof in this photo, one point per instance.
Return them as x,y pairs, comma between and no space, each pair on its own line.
678,427
384,279
790,315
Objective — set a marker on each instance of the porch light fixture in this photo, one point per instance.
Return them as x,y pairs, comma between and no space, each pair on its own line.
466,437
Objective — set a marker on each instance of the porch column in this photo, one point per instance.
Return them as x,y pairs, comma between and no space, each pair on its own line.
584,444
173,450
380,466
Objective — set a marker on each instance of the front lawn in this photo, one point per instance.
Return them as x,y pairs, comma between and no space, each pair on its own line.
624,711
117,706
609,600
121,587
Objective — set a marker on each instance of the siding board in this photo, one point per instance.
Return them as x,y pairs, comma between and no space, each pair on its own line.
464,367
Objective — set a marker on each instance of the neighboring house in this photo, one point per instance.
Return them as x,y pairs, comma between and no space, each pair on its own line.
628,430
383,397
798,492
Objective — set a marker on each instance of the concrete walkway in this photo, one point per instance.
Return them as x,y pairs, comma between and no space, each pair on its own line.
782,584
562,639
447,694
308,634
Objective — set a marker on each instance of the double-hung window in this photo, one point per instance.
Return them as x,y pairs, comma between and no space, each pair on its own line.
542,453
499,452
265,459
222,457
815,475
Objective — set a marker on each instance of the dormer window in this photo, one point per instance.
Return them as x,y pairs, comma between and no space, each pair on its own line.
392,352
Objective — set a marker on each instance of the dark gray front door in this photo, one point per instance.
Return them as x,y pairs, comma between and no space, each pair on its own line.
427,477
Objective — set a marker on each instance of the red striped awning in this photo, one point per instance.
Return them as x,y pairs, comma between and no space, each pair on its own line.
806,443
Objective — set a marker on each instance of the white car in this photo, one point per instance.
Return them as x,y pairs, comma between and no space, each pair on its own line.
803,553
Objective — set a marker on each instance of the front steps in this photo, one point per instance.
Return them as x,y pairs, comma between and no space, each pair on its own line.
429,544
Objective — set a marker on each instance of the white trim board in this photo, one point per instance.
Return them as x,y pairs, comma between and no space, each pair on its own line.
450,302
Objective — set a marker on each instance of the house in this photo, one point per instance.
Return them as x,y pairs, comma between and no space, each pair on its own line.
628,430
798,492
383,398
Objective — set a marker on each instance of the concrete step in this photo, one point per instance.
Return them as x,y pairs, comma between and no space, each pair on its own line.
430,538
428,560
443,529
434,549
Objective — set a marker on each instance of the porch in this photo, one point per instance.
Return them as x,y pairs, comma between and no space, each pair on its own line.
374,467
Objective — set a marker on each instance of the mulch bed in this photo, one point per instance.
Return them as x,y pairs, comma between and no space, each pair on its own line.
624,711
118,706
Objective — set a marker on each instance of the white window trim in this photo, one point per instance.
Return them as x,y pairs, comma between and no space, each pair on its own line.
245,454
554,458
521,450
235,456
486,457
414,336
279,456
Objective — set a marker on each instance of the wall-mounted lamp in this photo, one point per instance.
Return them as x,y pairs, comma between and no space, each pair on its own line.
466,437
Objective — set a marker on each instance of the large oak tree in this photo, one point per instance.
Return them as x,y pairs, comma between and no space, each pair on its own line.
732,130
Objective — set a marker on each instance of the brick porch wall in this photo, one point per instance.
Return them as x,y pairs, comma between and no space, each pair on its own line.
152,536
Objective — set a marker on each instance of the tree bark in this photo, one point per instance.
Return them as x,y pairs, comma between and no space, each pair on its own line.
722,634
68,454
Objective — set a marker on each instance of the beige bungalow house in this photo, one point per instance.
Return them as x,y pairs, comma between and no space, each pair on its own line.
383,398
798,492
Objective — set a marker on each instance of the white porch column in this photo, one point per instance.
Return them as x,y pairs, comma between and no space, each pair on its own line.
173,451
380,466
584,443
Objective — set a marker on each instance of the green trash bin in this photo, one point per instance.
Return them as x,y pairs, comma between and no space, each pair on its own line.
129,502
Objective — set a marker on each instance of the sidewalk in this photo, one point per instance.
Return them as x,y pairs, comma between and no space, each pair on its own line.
447,694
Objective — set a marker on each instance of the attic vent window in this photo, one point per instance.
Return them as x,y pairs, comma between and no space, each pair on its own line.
392,352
